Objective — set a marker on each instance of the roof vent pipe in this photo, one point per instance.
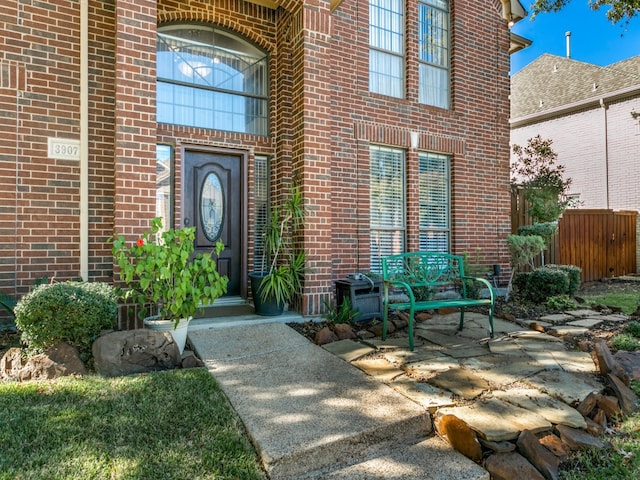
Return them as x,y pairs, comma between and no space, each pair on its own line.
568,37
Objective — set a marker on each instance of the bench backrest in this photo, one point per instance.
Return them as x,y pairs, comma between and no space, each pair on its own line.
423,268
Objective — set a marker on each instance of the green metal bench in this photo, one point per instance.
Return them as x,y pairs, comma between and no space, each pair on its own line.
428,281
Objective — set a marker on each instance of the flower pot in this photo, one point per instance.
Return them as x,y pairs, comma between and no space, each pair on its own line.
178,333
268,307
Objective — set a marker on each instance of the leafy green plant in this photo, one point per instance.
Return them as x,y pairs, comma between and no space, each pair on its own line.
561,302
160,269
536,171
283,279
624,341
8,302
344,314
633,328
522,250
72,312
546,282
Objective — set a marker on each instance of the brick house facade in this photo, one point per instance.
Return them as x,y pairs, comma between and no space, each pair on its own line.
85,74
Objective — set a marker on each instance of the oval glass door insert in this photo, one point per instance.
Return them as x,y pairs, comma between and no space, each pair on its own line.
212,207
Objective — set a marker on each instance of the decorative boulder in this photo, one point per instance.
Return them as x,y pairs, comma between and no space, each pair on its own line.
57,361
135,351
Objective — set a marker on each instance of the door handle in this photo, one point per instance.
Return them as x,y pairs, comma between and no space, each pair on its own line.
187,222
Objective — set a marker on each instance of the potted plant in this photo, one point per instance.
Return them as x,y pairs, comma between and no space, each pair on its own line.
281,276
160,271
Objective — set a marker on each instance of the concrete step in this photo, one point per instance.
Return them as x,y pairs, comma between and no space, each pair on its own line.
304,408
430,459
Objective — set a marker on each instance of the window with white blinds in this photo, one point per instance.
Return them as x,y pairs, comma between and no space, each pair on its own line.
261,209
434,198
386,47
433,48
387,203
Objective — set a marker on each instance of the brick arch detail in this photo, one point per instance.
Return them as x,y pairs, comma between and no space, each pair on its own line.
224,21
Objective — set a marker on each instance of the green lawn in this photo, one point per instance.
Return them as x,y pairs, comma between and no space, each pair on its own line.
628,301
166,425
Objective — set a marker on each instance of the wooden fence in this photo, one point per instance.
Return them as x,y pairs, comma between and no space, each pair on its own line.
602,243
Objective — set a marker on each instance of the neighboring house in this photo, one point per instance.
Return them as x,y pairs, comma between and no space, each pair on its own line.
592,114
391,115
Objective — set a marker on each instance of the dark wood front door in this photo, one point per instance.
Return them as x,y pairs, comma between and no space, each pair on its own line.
214,204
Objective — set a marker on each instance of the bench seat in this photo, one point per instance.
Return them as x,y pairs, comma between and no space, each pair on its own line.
420,277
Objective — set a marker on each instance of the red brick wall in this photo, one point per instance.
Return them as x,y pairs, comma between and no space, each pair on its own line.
322,116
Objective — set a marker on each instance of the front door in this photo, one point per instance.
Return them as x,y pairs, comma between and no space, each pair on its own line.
213,196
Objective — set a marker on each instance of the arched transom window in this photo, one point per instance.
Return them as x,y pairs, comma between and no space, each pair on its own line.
211,78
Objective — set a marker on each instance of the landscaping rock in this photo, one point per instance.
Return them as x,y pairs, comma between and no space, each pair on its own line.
509,466
578,439
606,361
344,331
57,361
626,397
460,436
326,335
541,458
554,444
11,363
629,362
135,351
498,447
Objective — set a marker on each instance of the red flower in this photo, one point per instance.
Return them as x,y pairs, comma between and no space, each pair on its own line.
140,242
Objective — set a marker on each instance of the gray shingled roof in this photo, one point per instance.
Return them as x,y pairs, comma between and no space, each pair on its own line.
551,81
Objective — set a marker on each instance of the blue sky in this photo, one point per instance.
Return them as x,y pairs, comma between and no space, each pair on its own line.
594,39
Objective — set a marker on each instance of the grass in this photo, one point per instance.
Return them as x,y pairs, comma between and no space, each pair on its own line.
166,425
628,301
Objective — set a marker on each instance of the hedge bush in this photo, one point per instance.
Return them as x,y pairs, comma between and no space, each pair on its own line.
573,273
73,312
543,283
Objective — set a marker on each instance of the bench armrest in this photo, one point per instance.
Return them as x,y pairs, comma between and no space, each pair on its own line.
485,282
396,283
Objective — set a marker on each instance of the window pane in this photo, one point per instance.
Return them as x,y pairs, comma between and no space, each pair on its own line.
434,201
386,74
261,207
387,203
212,79
164,180
386,40
433,37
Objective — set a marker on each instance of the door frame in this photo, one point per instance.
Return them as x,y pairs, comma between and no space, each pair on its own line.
244,160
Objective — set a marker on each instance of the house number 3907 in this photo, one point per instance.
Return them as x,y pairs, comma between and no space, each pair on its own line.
64,148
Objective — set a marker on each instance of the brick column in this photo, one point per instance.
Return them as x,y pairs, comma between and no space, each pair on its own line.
135,116
311,146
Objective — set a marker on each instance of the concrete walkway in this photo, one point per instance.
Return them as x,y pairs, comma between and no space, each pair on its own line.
312,415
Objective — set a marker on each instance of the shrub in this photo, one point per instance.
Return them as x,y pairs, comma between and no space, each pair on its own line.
72,312
545,230
573,273
561,302
344,314
625,342
633,328
544,282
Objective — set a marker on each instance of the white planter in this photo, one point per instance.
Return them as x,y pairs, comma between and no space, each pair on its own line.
178,333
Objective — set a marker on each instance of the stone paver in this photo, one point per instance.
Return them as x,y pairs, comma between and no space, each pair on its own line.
428,368
584,312
566,386
348,350
428,396
505,346
497,420
378,368
392,343
534,335
506,373
460,381
563,330
403,357
551,409
586,322
557,318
